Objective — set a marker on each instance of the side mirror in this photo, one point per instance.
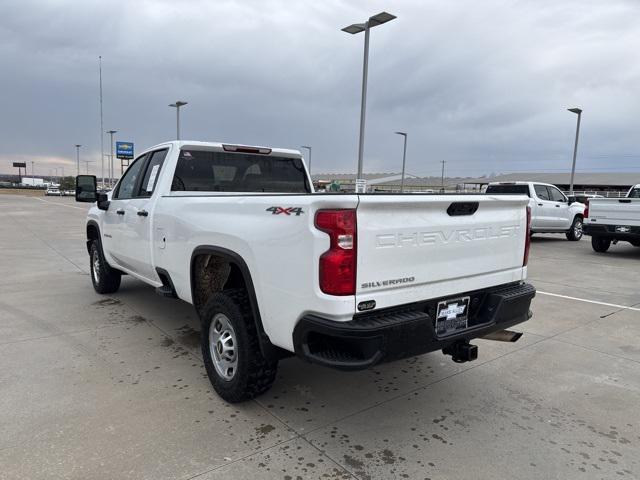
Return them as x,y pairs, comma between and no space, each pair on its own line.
87,191
86,188
103,201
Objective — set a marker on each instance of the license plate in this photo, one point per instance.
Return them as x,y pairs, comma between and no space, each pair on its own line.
452,316
623,229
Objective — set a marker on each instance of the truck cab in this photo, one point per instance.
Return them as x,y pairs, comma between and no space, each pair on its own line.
551,210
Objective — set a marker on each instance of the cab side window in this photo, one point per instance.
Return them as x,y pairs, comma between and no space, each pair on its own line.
556,195
542,192
129,180
151,173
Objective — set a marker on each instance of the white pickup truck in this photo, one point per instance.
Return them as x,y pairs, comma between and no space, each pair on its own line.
551,210
274,269
613,220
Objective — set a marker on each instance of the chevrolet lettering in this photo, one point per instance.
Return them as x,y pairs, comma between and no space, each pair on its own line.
442,237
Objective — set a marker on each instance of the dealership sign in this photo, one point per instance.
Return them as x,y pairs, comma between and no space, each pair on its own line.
124,150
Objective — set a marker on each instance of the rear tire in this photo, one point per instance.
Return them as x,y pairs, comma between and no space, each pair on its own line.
104,278
236,367
575,232
600,244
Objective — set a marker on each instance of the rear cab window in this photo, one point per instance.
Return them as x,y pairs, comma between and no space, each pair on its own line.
508,189
634,193
215,171
152,173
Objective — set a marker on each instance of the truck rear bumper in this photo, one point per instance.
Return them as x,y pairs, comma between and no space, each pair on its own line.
405,331
614,232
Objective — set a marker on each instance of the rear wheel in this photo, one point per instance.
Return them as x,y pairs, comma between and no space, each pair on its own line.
575,232
600,244
104,278
236,367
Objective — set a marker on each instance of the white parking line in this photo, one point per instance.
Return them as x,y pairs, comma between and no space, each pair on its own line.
59,204
621,307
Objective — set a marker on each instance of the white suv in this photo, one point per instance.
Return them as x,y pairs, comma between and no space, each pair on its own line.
551,210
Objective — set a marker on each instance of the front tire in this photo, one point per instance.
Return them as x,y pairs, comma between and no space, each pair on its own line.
600,244
236,367
575,232
104,278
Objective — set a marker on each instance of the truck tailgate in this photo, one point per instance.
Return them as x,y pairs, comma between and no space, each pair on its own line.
615,211
420,247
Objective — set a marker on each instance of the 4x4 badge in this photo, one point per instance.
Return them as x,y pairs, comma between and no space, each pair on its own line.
286,210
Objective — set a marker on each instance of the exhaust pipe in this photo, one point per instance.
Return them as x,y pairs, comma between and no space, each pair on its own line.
504,336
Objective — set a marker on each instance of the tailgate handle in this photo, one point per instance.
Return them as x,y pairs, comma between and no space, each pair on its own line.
457,209
625,201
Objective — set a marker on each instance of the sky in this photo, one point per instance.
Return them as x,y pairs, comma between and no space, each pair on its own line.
483,85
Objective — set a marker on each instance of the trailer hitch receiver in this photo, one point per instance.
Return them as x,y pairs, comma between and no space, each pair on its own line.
461,351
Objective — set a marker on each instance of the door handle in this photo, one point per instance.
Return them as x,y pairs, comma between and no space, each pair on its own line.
541,204
120,212
558,206
143,213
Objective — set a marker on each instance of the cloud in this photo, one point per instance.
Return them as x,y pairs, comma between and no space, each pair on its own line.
483,85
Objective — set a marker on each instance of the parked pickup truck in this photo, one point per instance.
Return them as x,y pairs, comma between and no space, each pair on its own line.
613,220
272,269
551,210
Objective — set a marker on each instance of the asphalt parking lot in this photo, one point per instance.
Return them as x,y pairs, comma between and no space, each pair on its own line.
106,387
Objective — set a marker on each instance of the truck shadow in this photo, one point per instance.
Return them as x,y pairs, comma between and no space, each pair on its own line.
551,238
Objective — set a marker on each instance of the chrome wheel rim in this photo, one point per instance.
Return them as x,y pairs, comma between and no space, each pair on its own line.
222,346
577,229
95,267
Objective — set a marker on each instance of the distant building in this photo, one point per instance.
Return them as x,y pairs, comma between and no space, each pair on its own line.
608,184
32,182
600,183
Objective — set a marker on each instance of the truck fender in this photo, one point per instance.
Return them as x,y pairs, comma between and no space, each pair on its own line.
266,347
93,233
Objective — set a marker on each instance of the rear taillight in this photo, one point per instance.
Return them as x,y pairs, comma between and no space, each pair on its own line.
338,264
527,239
586,208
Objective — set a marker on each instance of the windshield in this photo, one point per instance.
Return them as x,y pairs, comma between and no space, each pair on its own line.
634,193
509,189
211,171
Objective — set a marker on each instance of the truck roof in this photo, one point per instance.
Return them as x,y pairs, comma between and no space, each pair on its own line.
281,152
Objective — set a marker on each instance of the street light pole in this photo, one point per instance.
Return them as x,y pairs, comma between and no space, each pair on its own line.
404,159
78,158
112,133
308,148
378,19
101,123
442,181
33,182
575,147
177,106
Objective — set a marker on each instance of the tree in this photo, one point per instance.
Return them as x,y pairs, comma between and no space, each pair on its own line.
67,183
